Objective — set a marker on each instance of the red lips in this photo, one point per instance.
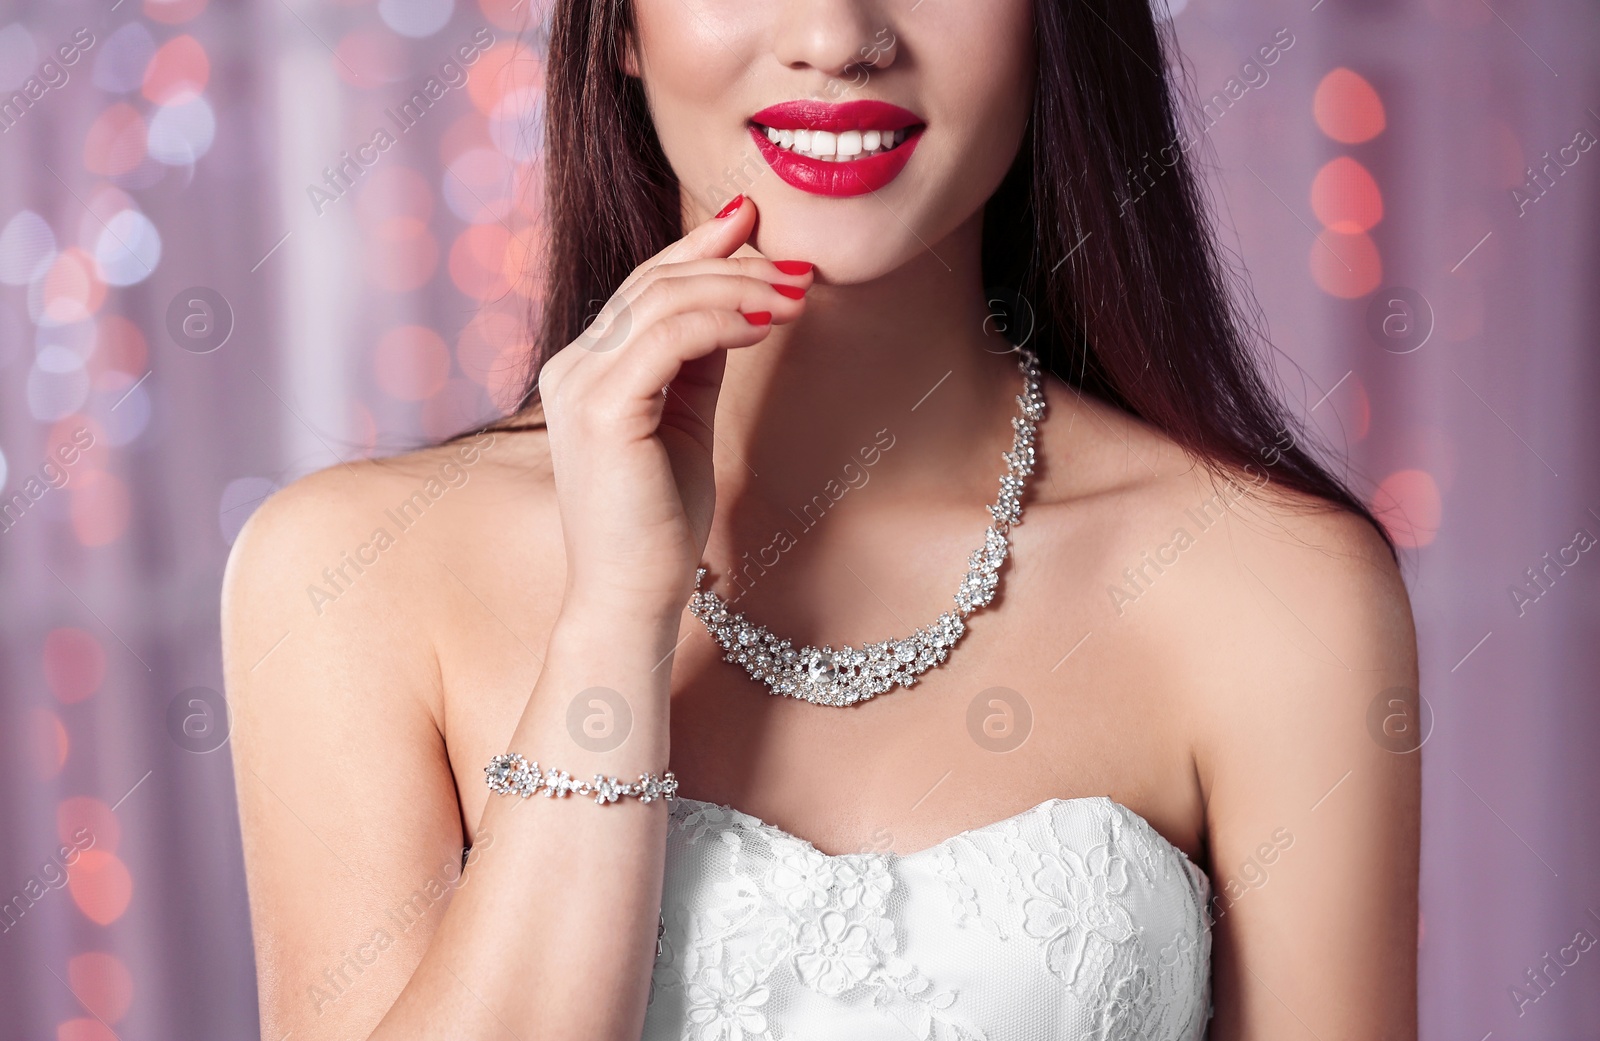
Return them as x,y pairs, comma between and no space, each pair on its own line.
838,179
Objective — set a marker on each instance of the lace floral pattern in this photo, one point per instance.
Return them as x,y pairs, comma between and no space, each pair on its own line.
727,1005
1074,919
1075,909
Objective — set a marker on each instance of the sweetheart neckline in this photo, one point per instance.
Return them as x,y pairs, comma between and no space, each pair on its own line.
1079,800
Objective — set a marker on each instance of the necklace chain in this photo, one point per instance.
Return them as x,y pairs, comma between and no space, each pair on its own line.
825,676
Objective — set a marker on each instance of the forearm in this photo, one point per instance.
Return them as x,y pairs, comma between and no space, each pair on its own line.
555,935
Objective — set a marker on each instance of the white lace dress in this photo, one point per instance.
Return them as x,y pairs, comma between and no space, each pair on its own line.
1073,920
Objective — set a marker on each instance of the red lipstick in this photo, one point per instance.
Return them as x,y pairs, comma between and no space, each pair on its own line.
844,177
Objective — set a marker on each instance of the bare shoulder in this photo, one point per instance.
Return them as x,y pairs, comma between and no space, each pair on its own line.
398,495
374,553
1259,599
1152,504
1275,590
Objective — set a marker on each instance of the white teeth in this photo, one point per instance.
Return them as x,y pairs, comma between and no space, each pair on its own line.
841,147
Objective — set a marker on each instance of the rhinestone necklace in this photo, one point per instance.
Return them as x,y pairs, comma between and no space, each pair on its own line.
825,676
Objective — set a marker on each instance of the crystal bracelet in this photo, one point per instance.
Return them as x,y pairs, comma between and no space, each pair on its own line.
511,774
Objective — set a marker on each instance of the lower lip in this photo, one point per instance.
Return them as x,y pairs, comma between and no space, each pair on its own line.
841,179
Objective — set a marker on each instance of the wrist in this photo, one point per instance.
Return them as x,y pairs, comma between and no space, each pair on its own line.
619,611
617,640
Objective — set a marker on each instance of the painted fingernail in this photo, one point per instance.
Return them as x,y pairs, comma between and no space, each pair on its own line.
733,204
793,267
792,292
759,317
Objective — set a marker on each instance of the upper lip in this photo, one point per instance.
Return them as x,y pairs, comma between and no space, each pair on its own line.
848,115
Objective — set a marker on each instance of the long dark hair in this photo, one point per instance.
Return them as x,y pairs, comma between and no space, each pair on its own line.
1127,295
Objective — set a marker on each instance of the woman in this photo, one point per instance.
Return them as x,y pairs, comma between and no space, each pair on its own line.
1124,786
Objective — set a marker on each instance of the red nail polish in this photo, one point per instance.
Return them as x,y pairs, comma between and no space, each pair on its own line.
733,204
759,317
792,292
793,267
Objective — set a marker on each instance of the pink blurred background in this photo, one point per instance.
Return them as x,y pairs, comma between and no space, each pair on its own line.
194,313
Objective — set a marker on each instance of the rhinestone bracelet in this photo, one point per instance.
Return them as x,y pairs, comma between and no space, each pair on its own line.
511,774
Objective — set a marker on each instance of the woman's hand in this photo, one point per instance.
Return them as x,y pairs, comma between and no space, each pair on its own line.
633,468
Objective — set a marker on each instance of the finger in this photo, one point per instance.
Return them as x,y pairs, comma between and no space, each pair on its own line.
715,237
664,297
659,357
623,320
792,272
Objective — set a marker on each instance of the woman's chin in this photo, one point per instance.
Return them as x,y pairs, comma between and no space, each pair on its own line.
842,255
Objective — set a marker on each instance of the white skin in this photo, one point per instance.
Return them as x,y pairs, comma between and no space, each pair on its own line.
1222,705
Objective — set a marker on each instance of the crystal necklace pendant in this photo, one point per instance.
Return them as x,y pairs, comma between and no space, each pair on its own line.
826,676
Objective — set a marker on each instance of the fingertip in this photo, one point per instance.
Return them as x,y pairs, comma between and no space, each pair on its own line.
721,236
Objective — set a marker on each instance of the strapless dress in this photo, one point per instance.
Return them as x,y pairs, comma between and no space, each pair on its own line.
1073,920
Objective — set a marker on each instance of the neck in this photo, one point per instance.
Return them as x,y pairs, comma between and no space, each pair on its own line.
911,357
